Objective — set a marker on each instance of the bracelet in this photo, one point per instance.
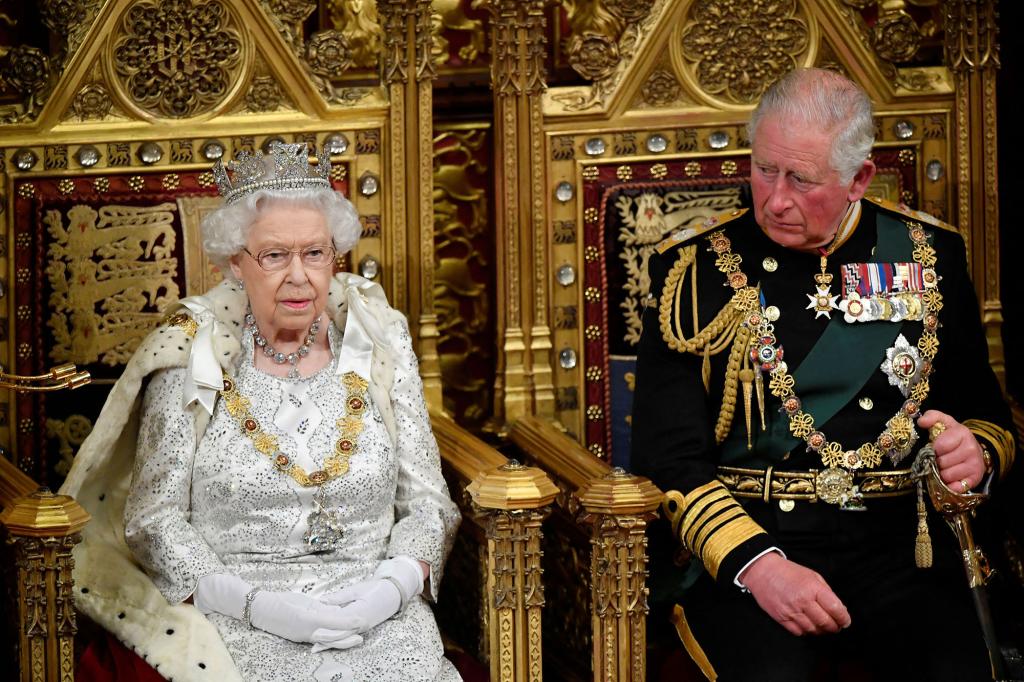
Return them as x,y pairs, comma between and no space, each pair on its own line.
401,593
247,611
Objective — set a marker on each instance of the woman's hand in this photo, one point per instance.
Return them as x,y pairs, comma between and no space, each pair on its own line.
290,615
301,618
368,603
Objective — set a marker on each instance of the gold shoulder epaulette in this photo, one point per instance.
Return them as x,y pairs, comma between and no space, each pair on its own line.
920,216
686,234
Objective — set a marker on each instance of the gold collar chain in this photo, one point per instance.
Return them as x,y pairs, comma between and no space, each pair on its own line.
899,436
350,426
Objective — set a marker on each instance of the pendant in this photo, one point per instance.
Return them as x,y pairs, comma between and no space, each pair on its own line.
835,486
902,365
822,302
325,531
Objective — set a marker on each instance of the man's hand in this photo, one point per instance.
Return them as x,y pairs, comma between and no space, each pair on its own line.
796,597
957,452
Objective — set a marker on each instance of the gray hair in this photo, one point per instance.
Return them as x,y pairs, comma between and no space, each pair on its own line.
830,102
226,229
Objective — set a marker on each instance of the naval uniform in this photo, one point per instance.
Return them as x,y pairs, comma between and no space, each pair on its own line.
741,486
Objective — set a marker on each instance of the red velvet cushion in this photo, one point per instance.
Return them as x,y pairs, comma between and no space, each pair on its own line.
105,659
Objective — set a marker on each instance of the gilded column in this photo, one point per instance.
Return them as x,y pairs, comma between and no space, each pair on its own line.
407,42
617,507
540,333
44,528
972,54
525,383
513,501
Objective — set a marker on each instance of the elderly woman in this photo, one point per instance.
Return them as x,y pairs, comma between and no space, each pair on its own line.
285,479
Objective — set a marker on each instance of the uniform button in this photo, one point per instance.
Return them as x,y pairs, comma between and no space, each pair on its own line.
770,264
786,505
866,403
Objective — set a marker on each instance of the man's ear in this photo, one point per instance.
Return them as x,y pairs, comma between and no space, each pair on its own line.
861,180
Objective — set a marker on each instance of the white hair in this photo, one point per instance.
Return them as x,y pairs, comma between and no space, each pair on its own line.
226,229
828,101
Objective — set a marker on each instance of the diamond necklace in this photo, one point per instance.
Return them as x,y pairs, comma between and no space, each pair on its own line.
277,356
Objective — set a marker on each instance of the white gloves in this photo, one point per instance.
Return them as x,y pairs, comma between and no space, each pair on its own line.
334,621
291,615
369,603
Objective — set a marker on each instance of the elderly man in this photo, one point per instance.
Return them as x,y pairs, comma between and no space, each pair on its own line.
790,356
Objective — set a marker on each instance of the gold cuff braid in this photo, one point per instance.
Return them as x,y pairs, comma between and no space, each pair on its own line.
999,440
709,522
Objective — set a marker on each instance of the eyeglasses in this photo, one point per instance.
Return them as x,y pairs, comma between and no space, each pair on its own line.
275,258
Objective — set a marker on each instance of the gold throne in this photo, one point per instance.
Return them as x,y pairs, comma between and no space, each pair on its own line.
513,162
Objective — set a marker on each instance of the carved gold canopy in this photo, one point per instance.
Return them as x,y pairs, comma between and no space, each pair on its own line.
511,223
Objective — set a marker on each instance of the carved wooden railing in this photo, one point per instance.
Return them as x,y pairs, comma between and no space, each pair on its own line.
616,507
507,502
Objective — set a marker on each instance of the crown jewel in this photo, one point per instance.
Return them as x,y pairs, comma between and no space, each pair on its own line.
289,170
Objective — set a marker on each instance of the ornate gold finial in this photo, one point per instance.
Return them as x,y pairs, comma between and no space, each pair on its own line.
289,171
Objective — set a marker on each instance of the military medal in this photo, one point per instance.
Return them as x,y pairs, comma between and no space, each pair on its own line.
891,292
822,300
854,309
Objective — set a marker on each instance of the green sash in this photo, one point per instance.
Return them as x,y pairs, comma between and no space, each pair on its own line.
832,373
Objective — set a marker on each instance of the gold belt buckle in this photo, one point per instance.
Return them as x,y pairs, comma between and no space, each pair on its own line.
835,486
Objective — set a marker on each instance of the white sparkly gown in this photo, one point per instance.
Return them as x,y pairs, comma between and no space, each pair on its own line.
221,506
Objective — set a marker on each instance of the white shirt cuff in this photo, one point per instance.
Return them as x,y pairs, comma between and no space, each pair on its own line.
736,580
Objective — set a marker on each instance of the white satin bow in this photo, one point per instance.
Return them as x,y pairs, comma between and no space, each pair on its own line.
204,379
362,329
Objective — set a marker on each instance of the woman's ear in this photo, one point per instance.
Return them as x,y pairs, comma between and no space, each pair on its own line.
236,267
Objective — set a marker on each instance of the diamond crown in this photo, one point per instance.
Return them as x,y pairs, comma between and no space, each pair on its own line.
289,170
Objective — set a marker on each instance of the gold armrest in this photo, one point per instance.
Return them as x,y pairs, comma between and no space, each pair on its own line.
42,529
505,504
616,507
